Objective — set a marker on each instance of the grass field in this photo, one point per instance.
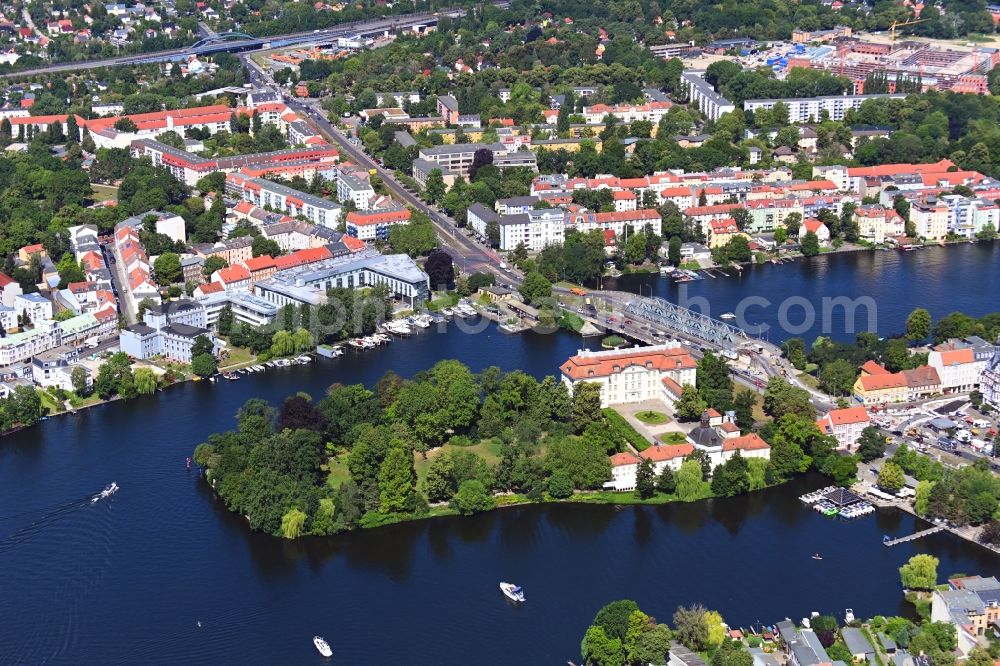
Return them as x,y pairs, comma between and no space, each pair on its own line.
649,417
673,438
104,192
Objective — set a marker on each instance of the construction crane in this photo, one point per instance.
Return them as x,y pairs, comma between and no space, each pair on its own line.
900,24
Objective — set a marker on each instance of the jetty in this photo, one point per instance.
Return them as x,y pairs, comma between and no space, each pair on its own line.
886,541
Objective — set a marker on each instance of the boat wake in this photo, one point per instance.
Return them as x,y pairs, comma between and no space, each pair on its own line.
48,518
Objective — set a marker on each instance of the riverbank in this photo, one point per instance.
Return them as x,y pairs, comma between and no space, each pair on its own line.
967,532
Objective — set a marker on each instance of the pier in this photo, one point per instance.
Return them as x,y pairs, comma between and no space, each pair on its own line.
886,541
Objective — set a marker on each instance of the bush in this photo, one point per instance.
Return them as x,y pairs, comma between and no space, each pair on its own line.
560,486
623,430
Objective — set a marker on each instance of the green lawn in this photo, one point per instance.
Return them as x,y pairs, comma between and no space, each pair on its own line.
808,380
443,301
337,471
104,192
758,404
571,320
488,450
673,437
49,402
650,417
237,357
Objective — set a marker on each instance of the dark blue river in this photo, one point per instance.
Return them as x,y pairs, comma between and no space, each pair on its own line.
127,580
812,297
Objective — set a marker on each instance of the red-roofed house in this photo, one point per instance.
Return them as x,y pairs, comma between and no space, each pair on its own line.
958,369
720,232
9,288
208,288
374,224
815,226
260,268
353,244
25,253
302,257
632,375
232,277
846,425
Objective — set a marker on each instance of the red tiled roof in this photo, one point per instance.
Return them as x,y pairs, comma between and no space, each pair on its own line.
661,452
210,288
873,368
624,458
5,280
881,382
847,416
302,257
353,244
363,218
231,274
582,367
751,442
260,263
957,356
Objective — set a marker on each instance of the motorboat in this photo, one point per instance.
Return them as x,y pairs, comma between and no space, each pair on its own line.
848,616
513,592
727,315
817,556
322,646
110,490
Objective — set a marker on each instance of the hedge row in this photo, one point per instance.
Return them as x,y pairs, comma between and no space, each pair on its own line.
624,430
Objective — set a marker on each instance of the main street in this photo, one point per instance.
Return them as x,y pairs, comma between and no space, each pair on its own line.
470,256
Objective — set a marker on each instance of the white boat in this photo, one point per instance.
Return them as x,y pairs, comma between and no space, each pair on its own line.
727,315
447,312
110,490
513,592
848,616
322,646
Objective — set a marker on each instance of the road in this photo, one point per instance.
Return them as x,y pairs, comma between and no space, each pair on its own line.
473,257
470,256
362,28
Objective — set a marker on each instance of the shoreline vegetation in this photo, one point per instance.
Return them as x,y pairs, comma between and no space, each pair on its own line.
449,441
623,635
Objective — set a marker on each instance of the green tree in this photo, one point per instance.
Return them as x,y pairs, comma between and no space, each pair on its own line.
871,444
674,251
69,271
690,485
690,627
600,650
204,365
665,482
226,320
145,381
689,407
810,244
586,404
167,269
918,325
781,398
472,497
79,376
559,485
535,287
211,265
644,479
396,480
435,188
919,573
292,523
837,377
261,246
890,477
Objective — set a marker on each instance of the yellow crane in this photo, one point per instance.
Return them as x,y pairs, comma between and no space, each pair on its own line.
900,24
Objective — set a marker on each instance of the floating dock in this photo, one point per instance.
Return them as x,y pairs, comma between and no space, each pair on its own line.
886,541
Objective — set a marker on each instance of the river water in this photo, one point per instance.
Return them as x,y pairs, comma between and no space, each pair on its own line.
127,580
797,298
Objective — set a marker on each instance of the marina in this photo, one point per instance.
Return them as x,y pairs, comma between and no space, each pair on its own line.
834,501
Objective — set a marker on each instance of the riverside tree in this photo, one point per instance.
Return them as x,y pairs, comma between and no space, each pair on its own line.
919,573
